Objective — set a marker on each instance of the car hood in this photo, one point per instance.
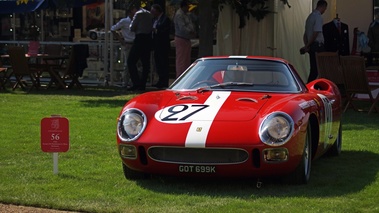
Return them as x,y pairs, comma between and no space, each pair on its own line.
183,107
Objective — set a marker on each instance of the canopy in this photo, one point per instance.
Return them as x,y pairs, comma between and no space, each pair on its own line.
71,3
11,6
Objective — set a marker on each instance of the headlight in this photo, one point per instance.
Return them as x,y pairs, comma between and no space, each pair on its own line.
276,129
131,124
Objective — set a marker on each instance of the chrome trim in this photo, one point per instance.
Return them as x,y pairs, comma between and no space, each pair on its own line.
276,161
127,145
197,163
119,125
247,99
270,116
184,98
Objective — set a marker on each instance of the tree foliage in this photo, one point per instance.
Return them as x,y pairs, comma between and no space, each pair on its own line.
245,9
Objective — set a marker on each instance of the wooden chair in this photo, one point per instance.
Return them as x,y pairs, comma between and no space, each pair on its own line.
20,68
75,65
53,50
3,76
356,82
329,67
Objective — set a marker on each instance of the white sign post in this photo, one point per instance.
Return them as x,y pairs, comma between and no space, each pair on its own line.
55,137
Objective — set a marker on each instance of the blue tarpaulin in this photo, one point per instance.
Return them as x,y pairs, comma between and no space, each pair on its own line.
11,6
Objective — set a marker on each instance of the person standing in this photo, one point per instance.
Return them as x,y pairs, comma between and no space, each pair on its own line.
161,44
313,37
184,31
142,26
126,41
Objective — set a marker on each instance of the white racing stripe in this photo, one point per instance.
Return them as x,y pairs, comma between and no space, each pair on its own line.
198,132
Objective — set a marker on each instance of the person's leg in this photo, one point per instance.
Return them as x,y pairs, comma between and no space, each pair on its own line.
315,47
165,65
162,64
157,63
132,64
145,59
187,55
125,74
313,67
183,55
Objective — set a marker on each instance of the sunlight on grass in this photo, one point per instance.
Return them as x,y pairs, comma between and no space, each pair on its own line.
90,175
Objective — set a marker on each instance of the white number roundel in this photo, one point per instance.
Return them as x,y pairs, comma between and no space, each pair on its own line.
182,113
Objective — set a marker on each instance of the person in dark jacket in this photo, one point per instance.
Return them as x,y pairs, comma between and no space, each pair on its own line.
142,26
161,44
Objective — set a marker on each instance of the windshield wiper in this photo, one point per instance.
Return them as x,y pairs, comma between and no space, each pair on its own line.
223,85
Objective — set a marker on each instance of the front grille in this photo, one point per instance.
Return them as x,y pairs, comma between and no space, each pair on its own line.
208,156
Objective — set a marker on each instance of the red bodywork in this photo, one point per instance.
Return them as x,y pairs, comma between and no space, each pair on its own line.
235,126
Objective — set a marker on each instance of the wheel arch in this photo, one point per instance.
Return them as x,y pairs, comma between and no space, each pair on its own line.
315,134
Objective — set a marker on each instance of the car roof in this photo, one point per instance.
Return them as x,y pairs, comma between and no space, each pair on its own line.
268,58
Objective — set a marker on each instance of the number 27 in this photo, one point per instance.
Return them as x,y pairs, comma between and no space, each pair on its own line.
175,110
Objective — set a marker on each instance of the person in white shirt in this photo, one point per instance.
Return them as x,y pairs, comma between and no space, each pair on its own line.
313,37
126,41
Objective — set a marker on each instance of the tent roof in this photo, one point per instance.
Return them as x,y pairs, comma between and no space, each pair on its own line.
11,6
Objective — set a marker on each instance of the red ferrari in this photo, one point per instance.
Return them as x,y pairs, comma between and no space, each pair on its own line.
232,116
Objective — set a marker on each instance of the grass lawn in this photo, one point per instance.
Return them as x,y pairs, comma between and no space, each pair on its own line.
90,177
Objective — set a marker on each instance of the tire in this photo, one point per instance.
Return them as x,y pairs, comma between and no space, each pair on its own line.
93,36
336,149
131,174
303,172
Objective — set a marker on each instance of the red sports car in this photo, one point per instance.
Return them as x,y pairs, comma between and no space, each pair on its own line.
231,116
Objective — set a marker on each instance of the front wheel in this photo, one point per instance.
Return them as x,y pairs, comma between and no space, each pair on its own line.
303,172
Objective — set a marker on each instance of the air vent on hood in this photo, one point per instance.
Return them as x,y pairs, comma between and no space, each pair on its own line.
184,98
247,100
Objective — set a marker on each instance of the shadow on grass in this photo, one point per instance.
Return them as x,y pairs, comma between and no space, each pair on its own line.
331,176
104,103
87,91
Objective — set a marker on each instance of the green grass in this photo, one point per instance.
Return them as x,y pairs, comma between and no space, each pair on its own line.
90,175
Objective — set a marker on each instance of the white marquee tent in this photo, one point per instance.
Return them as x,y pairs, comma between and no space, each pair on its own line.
279,34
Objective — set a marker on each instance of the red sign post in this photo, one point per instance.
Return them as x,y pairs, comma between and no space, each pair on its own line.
55,137
55,134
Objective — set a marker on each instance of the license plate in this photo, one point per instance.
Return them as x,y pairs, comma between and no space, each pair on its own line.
197,169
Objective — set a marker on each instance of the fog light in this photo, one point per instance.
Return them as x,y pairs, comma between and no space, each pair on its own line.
128,151
275,155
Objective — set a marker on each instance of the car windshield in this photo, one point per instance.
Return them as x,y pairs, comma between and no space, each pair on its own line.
238,74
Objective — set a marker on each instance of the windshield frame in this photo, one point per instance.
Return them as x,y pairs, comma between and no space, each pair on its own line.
195,72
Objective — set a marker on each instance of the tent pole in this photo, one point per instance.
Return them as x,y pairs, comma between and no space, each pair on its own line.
14,26
105,47
42,28
275,30
111,55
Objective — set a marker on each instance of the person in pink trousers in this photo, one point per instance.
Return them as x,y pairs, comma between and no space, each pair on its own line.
184,31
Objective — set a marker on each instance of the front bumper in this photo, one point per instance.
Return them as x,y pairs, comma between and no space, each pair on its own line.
211,161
